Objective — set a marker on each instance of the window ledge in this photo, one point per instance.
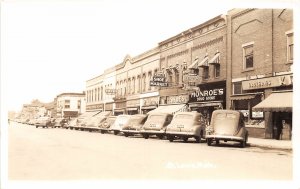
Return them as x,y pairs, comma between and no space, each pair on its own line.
289,62
248,70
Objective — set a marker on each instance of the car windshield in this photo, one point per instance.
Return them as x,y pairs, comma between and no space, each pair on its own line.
225,123
156,118
122,119
136,120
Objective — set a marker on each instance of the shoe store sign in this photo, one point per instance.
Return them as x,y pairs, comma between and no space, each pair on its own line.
277,81
159,80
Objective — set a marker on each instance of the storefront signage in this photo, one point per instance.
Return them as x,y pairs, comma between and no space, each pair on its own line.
159,80
133,103
150,101
191,78
110,91
95,106
209,92
269,82
180,99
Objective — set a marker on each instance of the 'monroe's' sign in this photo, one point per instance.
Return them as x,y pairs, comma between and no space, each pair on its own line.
208,93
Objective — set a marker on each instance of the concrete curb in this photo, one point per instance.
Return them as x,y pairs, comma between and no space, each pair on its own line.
270,146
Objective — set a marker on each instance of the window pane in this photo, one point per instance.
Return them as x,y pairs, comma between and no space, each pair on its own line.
249,62
217,70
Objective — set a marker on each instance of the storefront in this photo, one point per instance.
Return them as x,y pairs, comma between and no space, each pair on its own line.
133,106
120,107
149,104
207,98
268,105
280,104
173,104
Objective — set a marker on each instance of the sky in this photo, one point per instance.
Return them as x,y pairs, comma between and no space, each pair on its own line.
51,47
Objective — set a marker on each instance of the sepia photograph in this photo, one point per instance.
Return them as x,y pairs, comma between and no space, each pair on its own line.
149,93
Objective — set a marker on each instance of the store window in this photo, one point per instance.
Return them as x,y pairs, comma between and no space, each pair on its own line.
248,56
290,47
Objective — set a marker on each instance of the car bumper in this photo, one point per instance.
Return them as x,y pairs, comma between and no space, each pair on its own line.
221,137
181,134
152,132
131,131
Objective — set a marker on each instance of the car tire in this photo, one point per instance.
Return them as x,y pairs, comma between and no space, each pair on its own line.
170,138
116,132
160,136
146,136
198,139
185,139
217,142
126,134
36,126
209,141
102,132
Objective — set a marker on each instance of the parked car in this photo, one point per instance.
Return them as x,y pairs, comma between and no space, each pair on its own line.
117,126
104,126
93,123
43,122
227,125
72,124
156,124
185,125
134,124
60,122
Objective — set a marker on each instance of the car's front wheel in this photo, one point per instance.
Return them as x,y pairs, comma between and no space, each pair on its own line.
171,138
209,141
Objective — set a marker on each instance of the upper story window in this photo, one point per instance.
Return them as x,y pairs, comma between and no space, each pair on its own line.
290,46
144,82
176,77
79,104
237,88
217,70
205,72
133,85
149,79
129,86
67,103
248,56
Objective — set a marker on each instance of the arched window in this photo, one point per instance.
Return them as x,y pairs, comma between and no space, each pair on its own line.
149,79
144,83
125,86
101,93
138,83
129,86
133,85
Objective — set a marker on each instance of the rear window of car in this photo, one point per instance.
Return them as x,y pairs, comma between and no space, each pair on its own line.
226,116
184,116
156,118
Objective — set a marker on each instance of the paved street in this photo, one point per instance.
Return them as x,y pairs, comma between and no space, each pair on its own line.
60,154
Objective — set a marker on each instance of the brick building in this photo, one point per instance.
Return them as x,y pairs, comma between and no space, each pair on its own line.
70,104
260,58
194,64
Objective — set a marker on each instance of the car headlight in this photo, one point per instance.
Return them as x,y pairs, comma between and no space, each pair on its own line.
209,129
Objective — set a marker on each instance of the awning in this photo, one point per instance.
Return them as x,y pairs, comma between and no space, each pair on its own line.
215,59
243,97
132,109
103,114
204,62
207,104
194,65
148,107
172,109
89,114
276,102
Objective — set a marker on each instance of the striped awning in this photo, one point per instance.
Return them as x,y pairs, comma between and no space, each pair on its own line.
281,101
172,109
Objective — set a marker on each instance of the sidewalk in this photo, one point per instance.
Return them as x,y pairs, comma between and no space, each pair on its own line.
271,143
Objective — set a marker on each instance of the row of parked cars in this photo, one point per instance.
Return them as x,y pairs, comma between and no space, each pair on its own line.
226,125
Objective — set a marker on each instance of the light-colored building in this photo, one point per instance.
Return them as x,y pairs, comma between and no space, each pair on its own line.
70,104
134,94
